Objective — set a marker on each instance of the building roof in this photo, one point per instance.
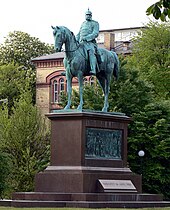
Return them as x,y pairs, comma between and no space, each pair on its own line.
50,56
121,29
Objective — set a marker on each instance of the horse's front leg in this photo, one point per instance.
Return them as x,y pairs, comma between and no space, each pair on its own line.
80,78
69,90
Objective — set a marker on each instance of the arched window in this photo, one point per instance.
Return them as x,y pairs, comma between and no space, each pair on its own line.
61,87
85,81
55,85
58,88
61,82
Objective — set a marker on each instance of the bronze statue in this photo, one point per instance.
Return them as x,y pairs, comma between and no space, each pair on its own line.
89,30
77,63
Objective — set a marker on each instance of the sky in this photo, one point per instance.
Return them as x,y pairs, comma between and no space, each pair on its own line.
36,17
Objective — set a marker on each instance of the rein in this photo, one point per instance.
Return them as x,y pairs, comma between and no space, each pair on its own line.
73,50
77,47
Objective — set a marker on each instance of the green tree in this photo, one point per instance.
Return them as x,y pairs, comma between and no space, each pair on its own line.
160,10
25,136
5,169
19,48
130,93
151,133
93,98
151,56
13,82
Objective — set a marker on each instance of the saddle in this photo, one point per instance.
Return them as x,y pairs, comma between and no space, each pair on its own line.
98,56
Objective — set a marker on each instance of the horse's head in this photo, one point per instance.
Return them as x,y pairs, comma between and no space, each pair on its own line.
59,38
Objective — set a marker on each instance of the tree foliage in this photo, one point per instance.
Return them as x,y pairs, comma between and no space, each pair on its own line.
5,169
151,56
93,98
160,10
25,136
14,80
19,48
150,128
151,133
130,93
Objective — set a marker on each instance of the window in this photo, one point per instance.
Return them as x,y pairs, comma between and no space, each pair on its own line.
61,87
91,81
85,81
100,38
55,91
58,88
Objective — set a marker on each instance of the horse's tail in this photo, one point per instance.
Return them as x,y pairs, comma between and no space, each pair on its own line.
117,66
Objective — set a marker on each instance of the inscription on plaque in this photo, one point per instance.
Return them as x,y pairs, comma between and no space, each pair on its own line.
103,143
116,186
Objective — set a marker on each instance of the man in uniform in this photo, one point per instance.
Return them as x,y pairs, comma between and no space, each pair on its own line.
89,30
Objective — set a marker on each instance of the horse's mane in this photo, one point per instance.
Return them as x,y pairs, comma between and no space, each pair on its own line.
64,28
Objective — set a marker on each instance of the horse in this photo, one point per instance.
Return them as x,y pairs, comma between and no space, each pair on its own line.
77,65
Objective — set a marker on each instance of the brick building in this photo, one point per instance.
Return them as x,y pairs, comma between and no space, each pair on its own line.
49,80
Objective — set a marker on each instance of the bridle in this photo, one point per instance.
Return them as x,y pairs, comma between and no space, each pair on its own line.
77,46
72,50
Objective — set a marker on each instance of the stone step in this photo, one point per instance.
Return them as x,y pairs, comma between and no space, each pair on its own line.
5,202
90,204
50,196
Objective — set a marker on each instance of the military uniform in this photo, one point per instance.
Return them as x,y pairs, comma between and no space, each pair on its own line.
89,30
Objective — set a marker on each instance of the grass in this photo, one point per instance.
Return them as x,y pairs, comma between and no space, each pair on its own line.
13,208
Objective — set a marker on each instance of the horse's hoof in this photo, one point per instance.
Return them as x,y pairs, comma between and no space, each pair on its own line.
79,108
66,107
104,109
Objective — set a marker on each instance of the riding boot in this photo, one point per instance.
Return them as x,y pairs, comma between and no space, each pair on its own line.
93,64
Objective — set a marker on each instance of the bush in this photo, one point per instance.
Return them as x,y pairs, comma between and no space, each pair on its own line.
5,168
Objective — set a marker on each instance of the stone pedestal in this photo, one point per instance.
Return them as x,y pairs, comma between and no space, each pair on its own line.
88,166
87,147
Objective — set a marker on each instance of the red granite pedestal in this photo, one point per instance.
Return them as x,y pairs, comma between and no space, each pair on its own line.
74,171
88,166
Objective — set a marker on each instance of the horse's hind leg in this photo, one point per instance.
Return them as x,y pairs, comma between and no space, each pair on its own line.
106,95
105,83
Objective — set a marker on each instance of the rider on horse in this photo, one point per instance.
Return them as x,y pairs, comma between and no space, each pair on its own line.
89,30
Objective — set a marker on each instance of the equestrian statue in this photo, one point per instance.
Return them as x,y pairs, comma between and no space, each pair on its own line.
84,58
